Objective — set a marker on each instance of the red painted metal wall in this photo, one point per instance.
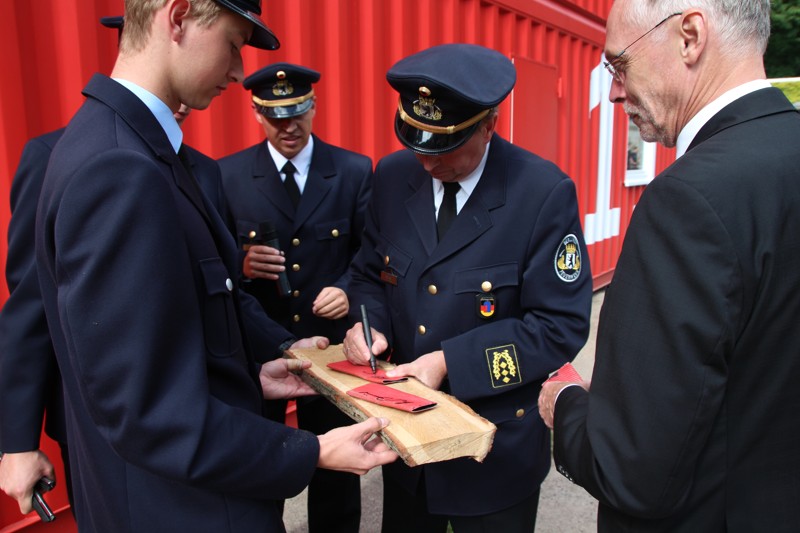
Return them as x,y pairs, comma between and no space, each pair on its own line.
50,48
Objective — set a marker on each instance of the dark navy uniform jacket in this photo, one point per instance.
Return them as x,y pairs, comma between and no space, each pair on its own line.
207,172
29,378
510,238
318,240
163,401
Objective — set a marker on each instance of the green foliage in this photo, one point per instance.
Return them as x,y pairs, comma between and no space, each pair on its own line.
791,90
782,59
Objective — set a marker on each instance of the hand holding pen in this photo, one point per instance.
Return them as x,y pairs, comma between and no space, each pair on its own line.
368,338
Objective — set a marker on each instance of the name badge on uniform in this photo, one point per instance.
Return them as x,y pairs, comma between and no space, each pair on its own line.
486,305
387,276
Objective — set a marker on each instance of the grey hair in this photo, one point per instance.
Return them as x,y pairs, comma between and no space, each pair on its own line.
742,25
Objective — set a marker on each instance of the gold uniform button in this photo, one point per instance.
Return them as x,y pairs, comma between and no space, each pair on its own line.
422,330
432,289
295,242
335,233
296,267
252,234
486,286
386,260
296,294
520,413
296,318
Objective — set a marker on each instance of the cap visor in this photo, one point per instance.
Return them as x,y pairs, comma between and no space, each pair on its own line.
262,36
427,143
288,111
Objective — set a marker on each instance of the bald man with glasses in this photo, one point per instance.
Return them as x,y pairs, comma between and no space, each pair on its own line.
690,422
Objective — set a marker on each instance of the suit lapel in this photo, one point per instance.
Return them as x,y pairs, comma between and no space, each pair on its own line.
475,219
187,182
420,209
757,104
141,120
319,182
267,180
136,114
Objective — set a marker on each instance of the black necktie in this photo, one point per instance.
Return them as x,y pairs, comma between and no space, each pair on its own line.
447,211
291,185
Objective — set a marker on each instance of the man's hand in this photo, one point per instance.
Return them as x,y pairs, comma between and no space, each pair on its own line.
355,346
263,262
312,342
430,369
331,303
355,448
279,381
547,399
19,472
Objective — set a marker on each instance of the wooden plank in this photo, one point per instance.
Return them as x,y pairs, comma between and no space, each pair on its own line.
449,430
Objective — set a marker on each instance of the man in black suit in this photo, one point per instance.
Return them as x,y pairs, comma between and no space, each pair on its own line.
162,373
317,212
691,421
483,309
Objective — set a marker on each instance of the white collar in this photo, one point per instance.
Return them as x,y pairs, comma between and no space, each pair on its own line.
469,183
691,129
302,161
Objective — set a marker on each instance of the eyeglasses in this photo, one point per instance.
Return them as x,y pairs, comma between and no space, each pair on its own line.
617,74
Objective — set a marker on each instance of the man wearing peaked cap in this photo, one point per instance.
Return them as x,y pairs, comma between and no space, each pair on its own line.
475,273
203,167
445,92
282,90
165,362
317,212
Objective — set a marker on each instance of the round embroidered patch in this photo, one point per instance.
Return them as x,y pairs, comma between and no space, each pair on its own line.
568,259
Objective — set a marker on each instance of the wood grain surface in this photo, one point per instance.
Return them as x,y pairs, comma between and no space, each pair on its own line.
448,431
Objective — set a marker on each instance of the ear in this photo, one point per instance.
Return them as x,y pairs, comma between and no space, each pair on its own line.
178,11
488,127
694,35
259,117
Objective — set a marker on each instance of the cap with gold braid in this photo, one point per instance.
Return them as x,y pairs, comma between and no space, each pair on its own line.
445,91
282,90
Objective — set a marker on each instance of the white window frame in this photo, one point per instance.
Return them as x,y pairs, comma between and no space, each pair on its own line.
645,174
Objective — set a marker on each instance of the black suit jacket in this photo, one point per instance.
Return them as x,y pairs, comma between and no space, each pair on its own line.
163,403
692,420
425,295
320,237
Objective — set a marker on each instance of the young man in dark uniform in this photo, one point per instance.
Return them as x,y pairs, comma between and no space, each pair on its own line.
162,371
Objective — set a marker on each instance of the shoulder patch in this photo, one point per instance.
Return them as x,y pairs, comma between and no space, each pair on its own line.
503,366
567,261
